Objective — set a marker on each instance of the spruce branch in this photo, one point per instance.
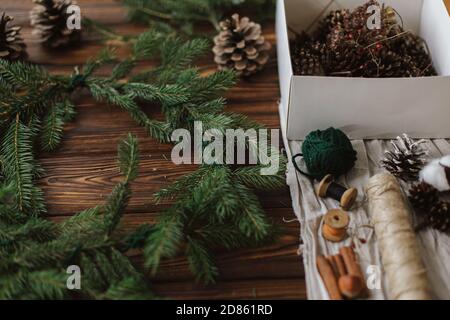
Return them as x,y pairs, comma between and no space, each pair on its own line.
184,15
165,239
36,252
216,202
128,152
200,261
54,123
19,166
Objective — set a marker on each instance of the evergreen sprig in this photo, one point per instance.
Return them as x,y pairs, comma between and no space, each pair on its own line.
184,15
215,206
36,252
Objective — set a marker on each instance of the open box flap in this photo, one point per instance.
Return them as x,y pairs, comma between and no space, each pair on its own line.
435,28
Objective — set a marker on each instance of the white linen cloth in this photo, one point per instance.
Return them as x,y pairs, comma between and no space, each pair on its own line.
309,209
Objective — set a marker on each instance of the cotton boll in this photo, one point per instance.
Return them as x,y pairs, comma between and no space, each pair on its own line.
434,174
445,161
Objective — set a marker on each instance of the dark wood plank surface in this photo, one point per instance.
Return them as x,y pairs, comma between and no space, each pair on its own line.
83,171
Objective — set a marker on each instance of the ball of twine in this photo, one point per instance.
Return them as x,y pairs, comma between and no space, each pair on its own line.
328,152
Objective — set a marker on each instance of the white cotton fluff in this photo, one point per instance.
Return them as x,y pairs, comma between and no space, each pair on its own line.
434,174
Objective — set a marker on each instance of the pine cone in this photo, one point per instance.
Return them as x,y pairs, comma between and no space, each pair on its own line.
354,49
12,46
49,19
439,217
423,196
333,20
406,159
391,65
308,56
307,64
414,47
241,46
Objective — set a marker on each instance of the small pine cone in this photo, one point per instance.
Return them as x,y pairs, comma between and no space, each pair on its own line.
240,46
389,21
334,19
423,196
307,57
307,64
390,65
418,61
343,62
12,47
358,17
49,20
439,217
336,37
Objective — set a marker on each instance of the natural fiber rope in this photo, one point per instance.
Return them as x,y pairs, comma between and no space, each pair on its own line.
404,270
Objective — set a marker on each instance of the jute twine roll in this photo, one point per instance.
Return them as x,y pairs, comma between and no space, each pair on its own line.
403,267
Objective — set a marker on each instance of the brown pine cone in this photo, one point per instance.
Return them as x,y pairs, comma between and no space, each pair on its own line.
355,49
334,19
49,19
389,21
240,46
12,46
308,56
423,196
414,47
439,217
307,64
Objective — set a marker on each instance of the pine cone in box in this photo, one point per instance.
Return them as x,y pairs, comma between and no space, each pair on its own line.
307,64
390,65
49,19
308,56
332,20
241,46
423,196
414,47
389,21
354,49
12,46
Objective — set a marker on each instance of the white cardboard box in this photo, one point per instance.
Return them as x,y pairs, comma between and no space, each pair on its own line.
368,108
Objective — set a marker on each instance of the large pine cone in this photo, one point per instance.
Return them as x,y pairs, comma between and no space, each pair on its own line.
12,46
240,46
49,19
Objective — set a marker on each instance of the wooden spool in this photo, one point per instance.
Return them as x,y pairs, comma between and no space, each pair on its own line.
335,225
346,197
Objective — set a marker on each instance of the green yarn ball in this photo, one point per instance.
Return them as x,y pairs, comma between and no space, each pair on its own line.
328,152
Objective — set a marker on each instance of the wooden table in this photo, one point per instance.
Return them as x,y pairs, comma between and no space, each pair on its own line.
83,171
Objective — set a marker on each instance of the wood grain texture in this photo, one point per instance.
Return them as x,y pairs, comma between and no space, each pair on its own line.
83,171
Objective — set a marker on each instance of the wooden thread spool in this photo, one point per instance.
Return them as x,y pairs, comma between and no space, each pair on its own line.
335,225
329,189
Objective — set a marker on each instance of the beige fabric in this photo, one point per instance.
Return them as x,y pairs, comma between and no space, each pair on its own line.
434,246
